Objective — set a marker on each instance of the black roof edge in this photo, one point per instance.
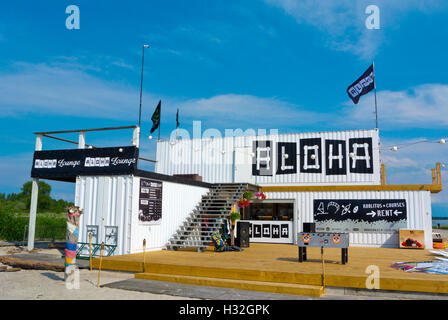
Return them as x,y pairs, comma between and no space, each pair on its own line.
168,178
137,173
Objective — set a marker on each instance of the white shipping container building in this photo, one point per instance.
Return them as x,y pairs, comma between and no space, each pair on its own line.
230,159
112,202
332,179
302,169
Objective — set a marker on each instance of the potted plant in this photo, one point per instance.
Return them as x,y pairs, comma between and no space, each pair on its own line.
244,203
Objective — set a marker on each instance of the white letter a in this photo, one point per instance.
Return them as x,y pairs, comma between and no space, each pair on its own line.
373,21
72,21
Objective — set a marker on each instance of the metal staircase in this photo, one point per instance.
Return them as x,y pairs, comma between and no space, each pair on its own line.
208,216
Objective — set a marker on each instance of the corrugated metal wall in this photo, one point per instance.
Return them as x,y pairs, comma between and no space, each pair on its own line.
213,159
113,201
106,201
178,201
418,212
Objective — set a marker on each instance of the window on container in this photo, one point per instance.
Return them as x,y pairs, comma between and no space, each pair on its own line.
270,211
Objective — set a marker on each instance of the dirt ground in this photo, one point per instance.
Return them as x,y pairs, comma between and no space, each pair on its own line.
50,285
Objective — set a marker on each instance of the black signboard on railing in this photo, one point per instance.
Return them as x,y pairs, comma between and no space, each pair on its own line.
65,165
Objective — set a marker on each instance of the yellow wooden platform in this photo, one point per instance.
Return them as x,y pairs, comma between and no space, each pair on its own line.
266,267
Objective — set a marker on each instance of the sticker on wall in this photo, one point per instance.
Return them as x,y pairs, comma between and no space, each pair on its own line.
257,231
311,155
362,159
336,160
150,201
262,161
266,231
275,231
286,157
284,229
360,215
93,230
111,235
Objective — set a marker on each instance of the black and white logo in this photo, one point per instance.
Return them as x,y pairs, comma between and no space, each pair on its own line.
45,164
314,155
262,162
97,162
269,230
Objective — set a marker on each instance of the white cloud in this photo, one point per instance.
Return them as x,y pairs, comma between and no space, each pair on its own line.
70,90
424,106
67,90
343,21
412,164
246,110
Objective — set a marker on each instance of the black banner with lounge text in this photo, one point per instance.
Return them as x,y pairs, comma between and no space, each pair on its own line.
67,164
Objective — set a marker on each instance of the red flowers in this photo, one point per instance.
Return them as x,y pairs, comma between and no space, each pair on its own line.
411,243
244,203
260,195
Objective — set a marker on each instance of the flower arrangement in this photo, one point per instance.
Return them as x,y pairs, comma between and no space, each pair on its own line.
260,195
243,203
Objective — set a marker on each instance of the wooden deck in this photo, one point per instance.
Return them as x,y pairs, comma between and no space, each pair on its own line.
278,263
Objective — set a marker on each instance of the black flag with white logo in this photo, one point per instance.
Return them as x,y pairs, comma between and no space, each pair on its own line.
362,85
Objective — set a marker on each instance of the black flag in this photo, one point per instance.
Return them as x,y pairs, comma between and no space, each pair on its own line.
362,85
156,117
177,119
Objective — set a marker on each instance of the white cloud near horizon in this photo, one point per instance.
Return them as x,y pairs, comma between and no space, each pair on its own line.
412,164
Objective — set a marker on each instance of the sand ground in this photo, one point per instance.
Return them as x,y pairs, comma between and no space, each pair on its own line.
50,285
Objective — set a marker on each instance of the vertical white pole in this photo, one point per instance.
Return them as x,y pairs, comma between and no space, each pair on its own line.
33,206
136,137
82,140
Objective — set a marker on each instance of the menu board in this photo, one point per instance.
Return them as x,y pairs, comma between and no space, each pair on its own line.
150,201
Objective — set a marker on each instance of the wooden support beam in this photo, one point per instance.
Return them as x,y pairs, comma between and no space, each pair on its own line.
383,174
87,130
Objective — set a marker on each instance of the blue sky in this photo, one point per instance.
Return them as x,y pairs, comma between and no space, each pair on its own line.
231,64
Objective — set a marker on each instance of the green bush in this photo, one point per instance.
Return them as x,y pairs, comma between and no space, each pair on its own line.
48,227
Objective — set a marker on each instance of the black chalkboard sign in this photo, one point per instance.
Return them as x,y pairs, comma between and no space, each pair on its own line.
150,201
366,215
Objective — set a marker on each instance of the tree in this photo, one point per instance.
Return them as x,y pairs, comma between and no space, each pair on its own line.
44,199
